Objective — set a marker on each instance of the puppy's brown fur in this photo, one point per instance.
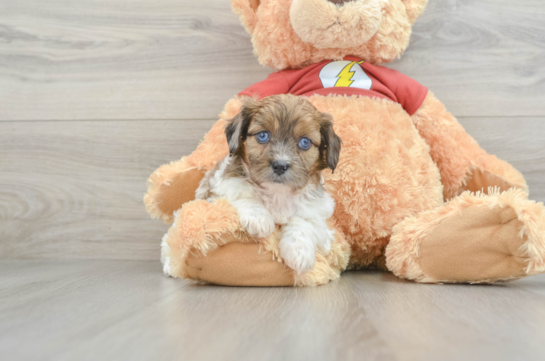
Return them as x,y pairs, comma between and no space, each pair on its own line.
287,119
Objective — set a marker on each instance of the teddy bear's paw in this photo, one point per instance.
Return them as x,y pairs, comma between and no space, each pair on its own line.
475,238
258,222
297,251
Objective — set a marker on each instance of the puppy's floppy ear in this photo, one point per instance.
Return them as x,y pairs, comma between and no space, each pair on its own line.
237,129
232,131
330,148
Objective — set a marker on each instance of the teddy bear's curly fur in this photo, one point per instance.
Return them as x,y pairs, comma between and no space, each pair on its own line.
415,194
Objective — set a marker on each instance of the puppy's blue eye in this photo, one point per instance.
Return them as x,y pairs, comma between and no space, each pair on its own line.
262,137
305,143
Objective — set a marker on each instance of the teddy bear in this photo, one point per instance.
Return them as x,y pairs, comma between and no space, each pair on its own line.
415,194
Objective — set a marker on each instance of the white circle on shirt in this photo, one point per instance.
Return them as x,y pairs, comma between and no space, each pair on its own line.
345,74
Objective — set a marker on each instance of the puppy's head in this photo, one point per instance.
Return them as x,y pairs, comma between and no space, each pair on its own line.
284,140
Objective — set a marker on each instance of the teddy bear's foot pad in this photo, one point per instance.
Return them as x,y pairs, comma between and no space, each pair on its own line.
475,238
239,264
477,244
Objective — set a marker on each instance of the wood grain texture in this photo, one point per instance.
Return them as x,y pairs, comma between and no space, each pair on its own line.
114,310
123,59
481,57
519,141
74,189
171,59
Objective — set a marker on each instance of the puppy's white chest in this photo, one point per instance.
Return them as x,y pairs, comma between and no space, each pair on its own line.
282,203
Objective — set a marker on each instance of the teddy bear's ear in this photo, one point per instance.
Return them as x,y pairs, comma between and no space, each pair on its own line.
414,8
246,9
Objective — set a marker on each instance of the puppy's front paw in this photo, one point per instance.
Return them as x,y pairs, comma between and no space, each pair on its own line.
297,251
166,268
324,240
165,256
257,221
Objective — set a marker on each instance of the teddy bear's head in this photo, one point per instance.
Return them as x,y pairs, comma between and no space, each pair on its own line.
296,33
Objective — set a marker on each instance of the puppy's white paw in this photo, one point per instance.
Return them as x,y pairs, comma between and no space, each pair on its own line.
166,267
165,259
257,221
297,251
324,241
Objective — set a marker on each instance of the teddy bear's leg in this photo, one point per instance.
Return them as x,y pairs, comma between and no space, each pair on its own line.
174,184
207,243
463,164
474,238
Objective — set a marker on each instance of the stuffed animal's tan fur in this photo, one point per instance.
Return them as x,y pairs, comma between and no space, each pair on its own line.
415,195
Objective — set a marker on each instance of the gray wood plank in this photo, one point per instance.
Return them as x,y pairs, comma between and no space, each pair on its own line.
115,310
519,141
47,306
74,189
170,59
455,322
481,57
101,59
216,323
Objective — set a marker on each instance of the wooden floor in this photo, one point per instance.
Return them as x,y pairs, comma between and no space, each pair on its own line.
127,310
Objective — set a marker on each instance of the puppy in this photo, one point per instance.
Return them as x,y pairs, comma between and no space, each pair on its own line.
278,148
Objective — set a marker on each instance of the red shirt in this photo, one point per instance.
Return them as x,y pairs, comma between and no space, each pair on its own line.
351,76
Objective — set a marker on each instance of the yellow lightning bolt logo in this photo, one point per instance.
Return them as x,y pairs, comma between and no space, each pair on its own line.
345,76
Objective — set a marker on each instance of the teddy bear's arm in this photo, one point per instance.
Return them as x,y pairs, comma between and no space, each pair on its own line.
463,164
207,243
174,184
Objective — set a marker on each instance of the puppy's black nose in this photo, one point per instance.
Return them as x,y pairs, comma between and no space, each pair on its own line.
280,167
339,2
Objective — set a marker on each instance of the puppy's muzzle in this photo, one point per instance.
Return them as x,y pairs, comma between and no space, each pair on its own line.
280,167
